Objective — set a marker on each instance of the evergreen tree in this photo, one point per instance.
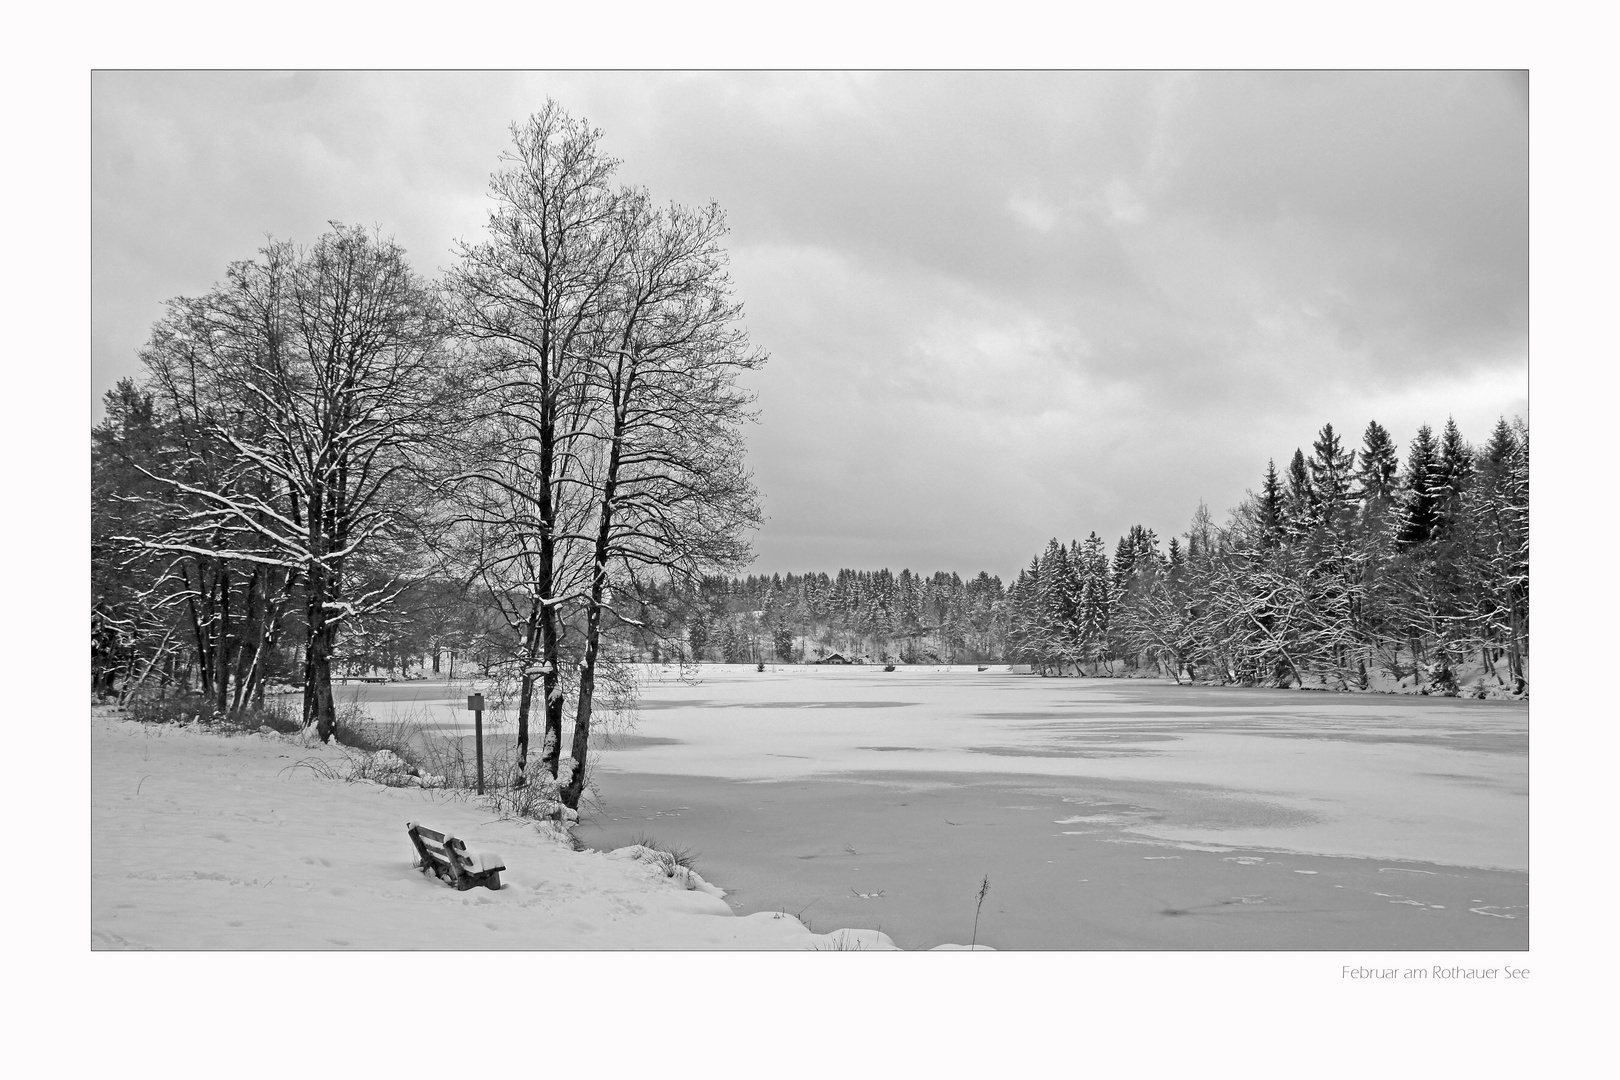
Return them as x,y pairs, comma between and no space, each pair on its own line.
1376,479
1299,501
1332,469
1445,582
1498,454
1059,606
1449,481
1145,543
1024,631
1138,567
1419,514
1096,600
1498,565
1271,506
127,629
1124,562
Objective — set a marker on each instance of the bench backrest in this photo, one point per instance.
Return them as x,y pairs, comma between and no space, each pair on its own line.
447,857
440,848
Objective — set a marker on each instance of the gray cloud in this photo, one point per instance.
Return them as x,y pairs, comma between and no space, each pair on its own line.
1000,306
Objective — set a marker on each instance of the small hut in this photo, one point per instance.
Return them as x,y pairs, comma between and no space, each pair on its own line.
833,658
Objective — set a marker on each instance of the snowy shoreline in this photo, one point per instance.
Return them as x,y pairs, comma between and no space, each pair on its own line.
1472,682
206,841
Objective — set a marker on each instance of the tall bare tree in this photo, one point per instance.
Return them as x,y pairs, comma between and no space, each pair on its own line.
334,354
532,295
224,590
672,497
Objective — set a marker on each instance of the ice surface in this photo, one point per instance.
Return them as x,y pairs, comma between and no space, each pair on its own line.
1326,774
936,777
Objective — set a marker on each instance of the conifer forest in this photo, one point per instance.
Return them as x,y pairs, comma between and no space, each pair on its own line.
1346,571
1349,571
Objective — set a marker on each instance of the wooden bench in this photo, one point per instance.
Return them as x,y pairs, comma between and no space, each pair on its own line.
448,859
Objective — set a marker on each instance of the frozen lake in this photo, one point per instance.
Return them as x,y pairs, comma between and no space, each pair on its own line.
1108,814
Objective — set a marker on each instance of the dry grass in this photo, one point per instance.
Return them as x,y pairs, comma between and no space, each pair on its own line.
843,942
675,863
413,751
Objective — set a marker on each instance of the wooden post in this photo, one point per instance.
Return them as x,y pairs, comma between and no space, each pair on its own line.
475,702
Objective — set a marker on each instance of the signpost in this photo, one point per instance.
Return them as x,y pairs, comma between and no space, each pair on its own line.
475,702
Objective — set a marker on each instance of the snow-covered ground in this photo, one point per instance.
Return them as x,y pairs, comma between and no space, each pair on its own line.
201,841
185,826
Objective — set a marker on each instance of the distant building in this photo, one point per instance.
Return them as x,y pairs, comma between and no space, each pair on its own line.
833,658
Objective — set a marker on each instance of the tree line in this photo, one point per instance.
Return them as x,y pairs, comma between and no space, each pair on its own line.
1347,569
329,459
857,614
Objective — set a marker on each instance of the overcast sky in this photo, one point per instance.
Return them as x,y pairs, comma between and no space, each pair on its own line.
1000,307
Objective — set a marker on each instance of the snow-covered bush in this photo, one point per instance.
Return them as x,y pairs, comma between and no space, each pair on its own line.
389,769
670,862
539,799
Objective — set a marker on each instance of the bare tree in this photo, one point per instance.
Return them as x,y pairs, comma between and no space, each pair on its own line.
671,494
531,296
335,355
221,587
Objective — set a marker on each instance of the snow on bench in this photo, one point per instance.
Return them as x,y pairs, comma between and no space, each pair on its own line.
448,858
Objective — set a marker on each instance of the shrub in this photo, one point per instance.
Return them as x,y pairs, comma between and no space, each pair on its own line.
677,863
176,709
198,709
359,732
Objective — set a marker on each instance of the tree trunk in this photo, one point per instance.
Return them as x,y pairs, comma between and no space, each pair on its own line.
222,648
1516,650
531,641
593,608
551,683
131,685
245,658
319,708
264,648
575,787
200,623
